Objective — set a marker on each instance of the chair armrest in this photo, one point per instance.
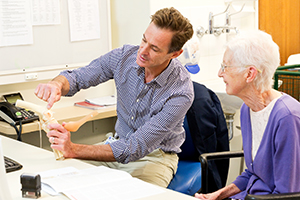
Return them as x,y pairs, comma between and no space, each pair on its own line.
292,196
221,155
205,157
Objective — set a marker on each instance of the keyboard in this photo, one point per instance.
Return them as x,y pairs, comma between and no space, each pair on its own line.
28,116
11,165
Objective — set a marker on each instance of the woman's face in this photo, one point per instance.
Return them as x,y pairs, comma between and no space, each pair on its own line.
235,81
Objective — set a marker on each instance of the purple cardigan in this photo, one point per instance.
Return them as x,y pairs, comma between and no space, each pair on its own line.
276,167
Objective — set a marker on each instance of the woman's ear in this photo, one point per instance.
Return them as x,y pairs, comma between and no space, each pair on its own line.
252,73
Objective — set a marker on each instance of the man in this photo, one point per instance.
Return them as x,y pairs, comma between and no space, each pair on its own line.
154,92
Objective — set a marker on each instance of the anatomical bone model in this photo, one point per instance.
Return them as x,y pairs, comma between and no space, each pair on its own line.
46,117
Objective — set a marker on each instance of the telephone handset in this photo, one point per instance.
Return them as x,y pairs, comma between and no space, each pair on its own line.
11,111
17,114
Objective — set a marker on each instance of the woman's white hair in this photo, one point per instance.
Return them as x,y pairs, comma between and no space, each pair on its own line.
258,49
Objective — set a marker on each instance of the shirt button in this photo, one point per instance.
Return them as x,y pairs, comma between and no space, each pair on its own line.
137,100
131,118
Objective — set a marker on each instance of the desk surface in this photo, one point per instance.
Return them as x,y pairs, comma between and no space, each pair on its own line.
35,160
71,113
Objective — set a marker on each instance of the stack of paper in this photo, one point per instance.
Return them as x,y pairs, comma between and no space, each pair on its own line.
103,101
88,105
96,183
97,103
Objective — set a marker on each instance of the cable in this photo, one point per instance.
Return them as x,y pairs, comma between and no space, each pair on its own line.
41,136
19,131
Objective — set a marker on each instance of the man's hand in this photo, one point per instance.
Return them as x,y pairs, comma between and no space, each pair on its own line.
53,90
60,140
49,92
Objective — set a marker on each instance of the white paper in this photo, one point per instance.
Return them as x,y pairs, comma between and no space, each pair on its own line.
97,183
45,12
103,101
51,179
127,189
84,19
15,23
70,178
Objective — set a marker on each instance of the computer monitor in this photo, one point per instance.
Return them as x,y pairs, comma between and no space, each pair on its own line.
4,189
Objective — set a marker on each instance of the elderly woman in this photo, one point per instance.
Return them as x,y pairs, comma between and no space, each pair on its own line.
270,120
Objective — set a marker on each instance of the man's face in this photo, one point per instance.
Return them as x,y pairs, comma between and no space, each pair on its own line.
153,52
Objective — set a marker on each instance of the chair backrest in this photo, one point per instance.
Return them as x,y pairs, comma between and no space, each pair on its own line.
188,150
208,131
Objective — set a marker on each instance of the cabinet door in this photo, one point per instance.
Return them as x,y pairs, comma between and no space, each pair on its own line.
281,19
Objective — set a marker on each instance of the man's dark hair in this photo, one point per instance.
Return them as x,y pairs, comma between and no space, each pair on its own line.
172,19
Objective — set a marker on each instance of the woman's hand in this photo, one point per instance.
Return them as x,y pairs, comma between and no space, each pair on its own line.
210,196
220,194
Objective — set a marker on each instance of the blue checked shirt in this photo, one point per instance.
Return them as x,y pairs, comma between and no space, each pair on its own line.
150,115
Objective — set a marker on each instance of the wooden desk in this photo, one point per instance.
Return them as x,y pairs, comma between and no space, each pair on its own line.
36,160
66,114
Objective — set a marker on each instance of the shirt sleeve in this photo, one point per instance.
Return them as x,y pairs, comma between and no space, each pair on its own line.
242,180
98,71
286,160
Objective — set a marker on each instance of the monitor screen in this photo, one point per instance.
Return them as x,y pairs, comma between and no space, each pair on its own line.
12,98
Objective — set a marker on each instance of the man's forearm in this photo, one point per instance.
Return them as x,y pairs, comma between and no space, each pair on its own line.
92,152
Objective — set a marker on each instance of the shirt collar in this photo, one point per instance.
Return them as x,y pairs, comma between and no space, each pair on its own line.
162,78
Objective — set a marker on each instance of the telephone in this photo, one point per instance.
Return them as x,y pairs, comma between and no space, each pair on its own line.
17,114
11,111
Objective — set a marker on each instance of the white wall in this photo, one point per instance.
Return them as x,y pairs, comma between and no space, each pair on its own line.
129,20
128,25
197,11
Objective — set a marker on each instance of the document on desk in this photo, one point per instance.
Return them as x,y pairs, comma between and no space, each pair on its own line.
96,183
103,101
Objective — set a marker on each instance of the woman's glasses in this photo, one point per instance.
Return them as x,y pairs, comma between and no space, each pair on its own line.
223,67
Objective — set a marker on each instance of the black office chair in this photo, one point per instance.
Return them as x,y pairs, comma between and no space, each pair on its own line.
204,158
206,131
